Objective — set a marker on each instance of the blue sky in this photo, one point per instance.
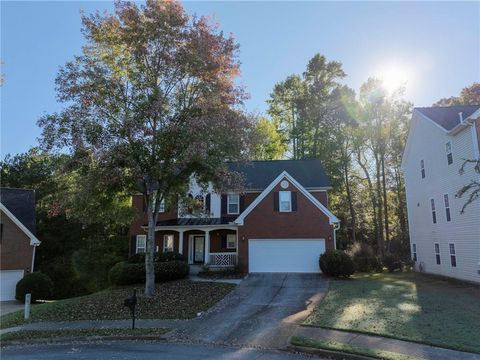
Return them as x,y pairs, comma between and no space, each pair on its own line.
437,44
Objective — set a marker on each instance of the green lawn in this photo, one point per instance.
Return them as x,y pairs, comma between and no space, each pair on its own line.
350,349
68,333
406,306
181,299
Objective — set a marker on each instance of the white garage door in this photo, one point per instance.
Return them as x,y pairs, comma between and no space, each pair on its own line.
8,283
285,255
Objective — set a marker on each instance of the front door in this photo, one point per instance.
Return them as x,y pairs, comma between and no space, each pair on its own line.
199,249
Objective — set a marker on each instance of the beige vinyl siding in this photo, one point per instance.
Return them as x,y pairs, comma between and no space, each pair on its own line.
428,143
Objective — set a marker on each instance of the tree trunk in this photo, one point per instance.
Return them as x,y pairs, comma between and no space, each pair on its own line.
385,201
350,202
150,249
371,191
379,205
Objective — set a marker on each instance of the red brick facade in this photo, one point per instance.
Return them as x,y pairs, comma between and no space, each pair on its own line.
308,222
15,249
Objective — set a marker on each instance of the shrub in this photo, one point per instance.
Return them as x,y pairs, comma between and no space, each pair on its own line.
364,258
137,259
392,263
336,263
37,284
159,257
125,273
169,256
171,270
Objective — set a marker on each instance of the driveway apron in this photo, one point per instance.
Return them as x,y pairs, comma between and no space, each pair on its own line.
262,311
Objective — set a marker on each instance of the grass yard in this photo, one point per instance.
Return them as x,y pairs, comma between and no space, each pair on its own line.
181,299
349,349
68,333
407,306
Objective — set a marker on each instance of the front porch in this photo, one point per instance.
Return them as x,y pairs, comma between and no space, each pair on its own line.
201,245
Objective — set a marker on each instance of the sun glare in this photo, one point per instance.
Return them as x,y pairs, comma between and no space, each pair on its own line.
395,76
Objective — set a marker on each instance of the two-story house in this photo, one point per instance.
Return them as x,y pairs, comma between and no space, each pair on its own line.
279,223
443,240
17,238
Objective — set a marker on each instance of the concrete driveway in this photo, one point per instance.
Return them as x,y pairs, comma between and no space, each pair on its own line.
7,307
262,311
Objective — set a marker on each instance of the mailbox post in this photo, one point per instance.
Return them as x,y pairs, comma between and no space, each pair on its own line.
131,303
28,299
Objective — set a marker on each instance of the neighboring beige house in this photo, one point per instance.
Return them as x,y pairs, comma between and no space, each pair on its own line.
443,240
17,238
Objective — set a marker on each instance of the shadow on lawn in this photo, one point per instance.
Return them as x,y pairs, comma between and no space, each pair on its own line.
407,306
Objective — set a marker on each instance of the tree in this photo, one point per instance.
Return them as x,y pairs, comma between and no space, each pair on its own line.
472,189
469,95
270,144
83,233
151,102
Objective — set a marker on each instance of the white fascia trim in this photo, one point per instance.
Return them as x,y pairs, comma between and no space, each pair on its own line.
468,121
332,218
33,240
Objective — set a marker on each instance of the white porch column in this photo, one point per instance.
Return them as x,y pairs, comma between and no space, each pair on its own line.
180,241
207,247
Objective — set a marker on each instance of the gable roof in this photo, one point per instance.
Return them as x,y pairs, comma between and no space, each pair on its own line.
33,240
20,203
259,174
285,175
448,116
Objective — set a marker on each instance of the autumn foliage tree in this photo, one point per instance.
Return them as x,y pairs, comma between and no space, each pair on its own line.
150,102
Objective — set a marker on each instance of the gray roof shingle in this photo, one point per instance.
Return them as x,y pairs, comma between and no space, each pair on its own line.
448,116
21,203
259,174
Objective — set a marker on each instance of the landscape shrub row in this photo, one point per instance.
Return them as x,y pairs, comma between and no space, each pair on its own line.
359,258
128,273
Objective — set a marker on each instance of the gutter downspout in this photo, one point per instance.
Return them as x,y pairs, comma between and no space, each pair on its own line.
33,258
336,226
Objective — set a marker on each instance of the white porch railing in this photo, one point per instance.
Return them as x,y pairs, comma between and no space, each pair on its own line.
223,259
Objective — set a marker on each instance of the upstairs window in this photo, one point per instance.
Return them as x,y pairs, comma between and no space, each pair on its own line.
285,201
453,255
437,253
447,207
422,168
168,243
448,149
162,206
141,244
414,252
233,204
434,213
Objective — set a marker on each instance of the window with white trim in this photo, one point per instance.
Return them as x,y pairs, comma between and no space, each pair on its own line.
167,243
453,255
434,213
437,253
448,149
422,168
231,241
162,206
447,207
141,244
414,252
233,204
285,201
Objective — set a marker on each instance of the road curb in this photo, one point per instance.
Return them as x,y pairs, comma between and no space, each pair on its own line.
85,339
329,354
